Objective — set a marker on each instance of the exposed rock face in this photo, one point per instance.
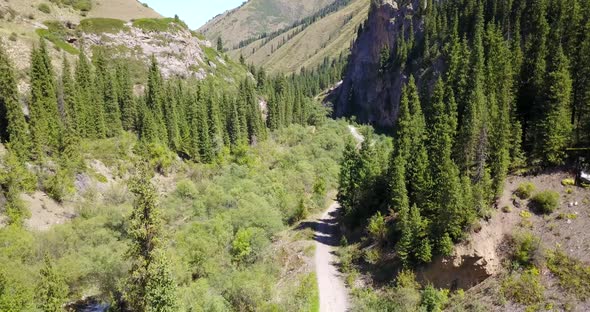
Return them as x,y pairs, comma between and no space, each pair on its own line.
367,92
178,52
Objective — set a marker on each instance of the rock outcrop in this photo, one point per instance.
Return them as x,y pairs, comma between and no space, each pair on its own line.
178,52
367,91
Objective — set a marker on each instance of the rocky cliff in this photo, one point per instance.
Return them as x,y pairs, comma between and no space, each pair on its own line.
368,91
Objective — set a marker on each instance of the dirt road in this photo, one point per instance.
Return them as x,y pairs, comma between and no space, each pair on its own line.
333,293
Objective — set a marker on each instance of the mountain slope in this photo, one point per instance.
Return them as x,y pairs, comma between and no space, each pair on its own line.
126,28
256,17
309,44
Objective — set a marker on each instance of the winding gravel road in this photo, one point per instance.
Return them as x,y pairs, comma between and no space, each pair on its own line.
333,292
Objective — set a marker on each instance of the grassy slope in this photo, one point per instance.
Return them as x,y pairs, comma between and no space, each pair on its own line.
326,37
259,16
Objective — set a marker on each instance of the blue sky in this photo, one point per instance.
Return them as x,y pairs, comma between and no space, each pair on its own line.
194,12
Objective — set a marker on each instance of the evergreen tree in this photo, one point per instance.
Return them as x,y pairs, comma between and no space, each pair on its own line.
348,178
13,127
52,290
450,214
154,100
99,100
69,96
85,86
556,126
112,111
127,105
149,286
45,121
220,44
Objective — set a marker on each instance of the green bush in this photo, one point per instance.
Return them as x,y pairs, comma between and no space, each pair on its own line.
573,275
186,189
546,201
525,190
524,288
434,299
525,248
568,182
43,7
13,36
59,185
377,228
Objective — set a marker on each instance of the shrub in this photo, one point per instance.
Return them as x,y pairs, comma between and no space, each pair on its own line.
377,228
568,182
248,245
573,275
434,299
59,185
13,36
186,189
506,209
301,212
525,190
546,201
43,7
524,288
525,246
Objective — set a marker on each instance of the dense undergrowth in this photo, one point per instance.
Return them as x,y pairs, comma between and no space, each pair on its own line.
220,222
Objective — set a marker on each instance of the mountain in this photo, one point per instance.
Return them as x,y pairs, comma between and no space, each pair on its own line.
256,17
326,34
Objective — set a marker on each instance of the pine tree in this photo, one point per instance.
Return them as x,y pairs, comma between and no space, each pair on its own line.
451,215
127,105
69,96
219,44
171,119
98,107
154,100
556,126
215,125
85,86
404,246
417,174
52,290
44,116
348,178
149,286
13,126
112,111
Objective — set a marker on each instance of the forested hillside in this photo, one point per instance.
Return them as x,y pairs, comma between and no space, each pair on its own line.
471,91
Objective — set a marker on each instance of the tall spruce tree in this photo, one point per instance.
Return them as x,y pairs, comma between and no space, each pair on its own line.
127,104
13,126
556,125
149,286
45,121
